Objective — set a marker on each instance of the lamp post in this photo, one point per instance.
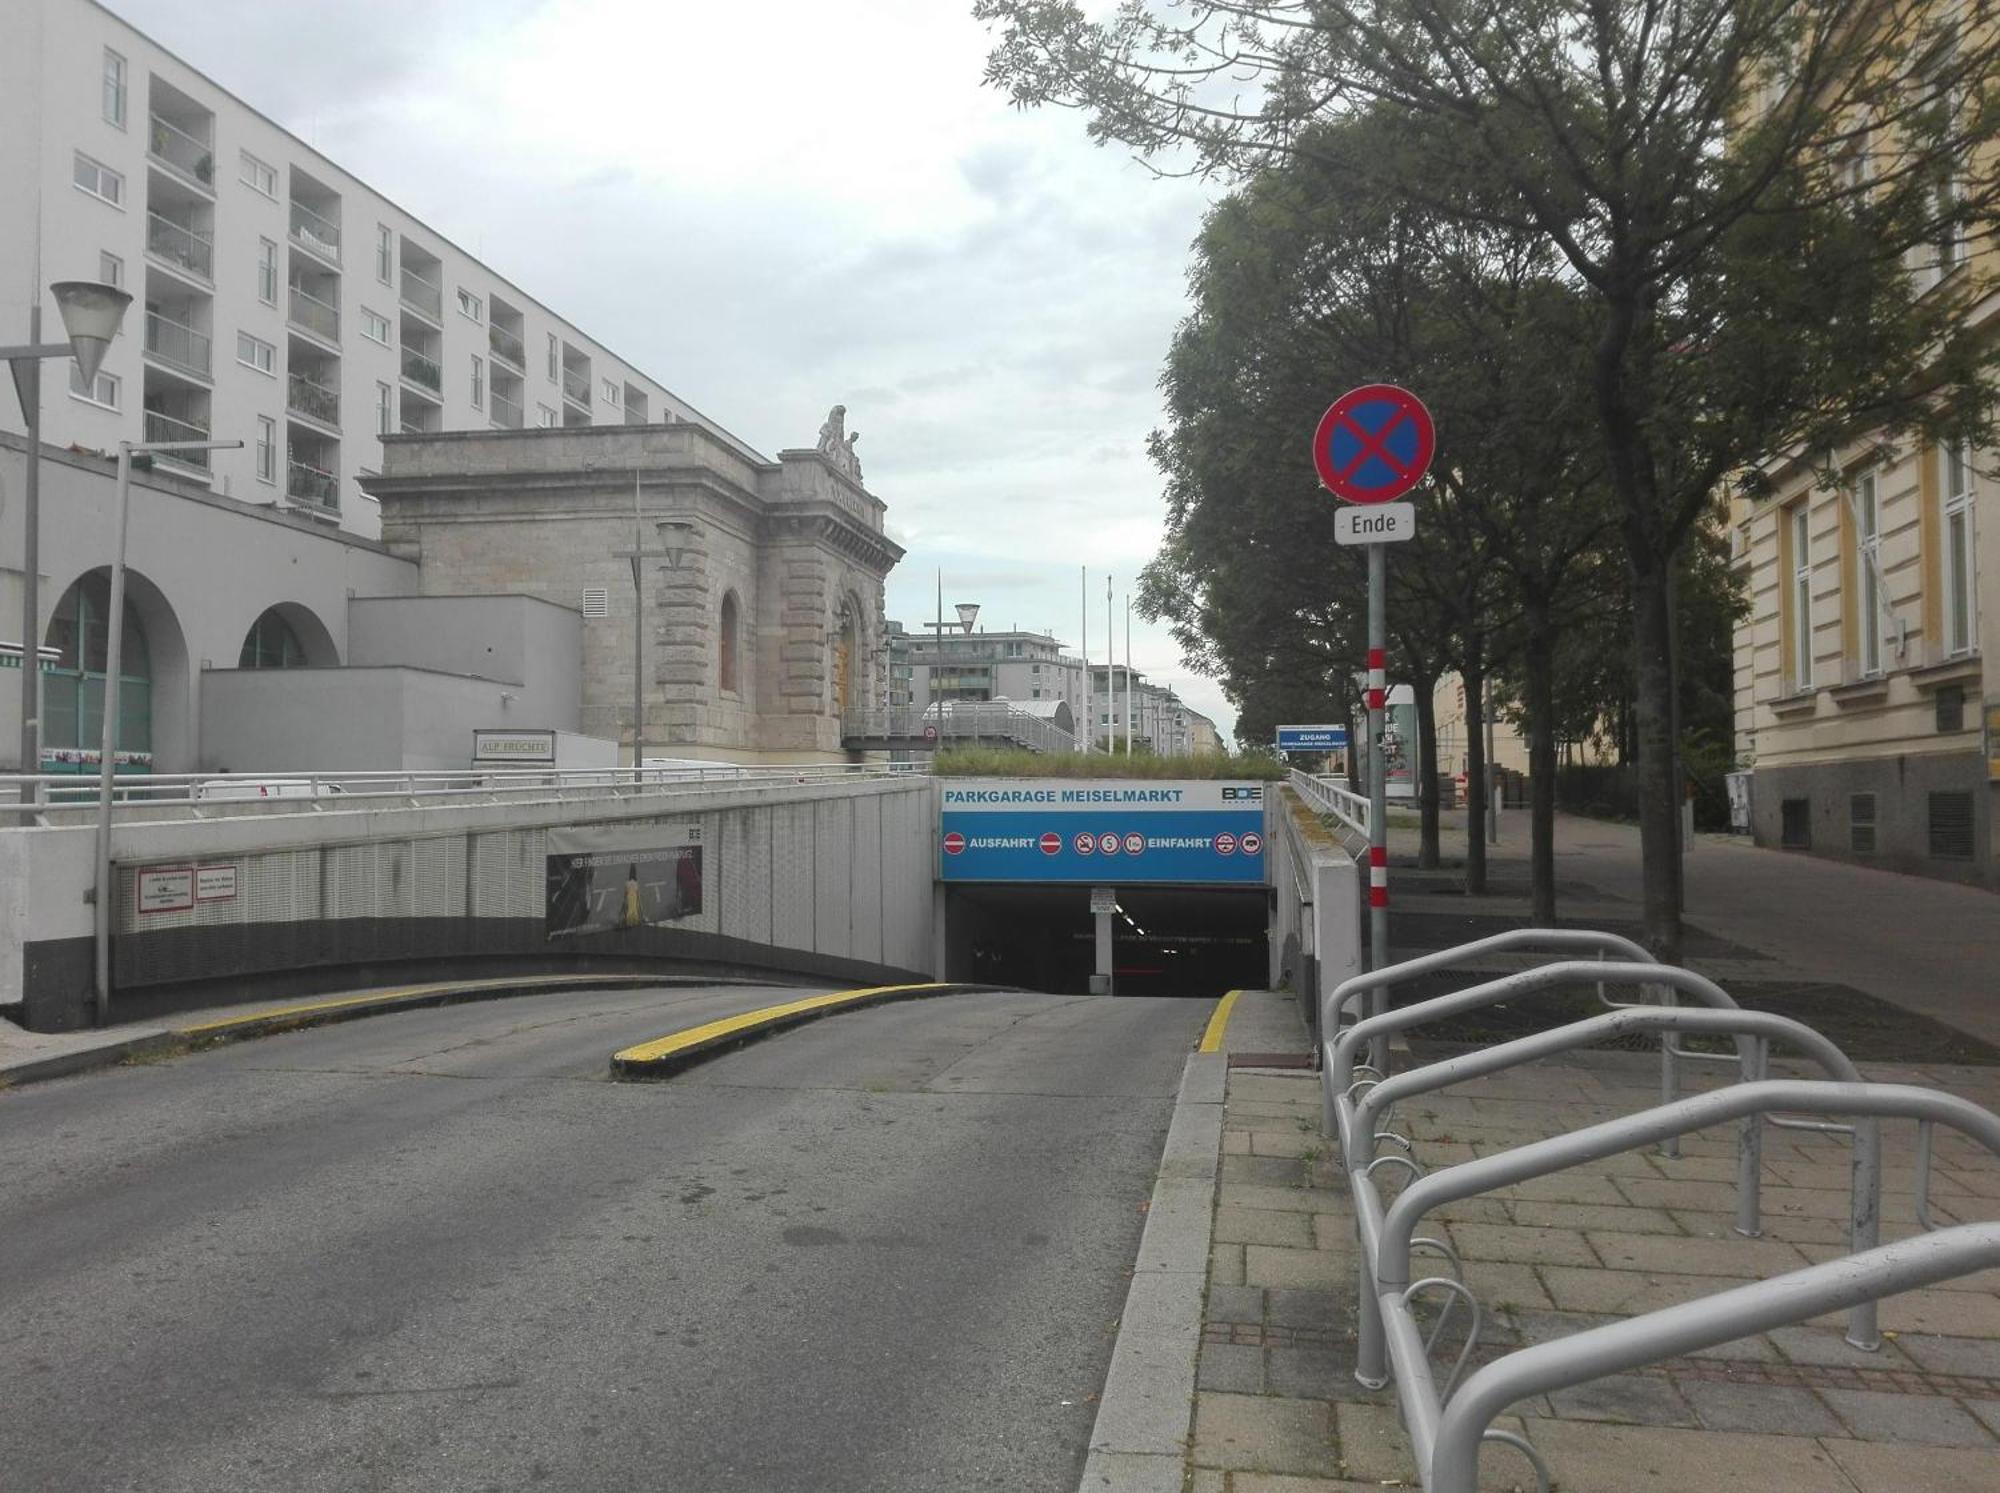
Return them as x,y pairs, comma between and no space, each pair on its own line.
678,534
91,316
107,755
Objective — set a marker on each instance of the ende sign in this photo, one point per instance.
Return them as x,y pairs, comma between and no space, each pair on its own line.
1381,523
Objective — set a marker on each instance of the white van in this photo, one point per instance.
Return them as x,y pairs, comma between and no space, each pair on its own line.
254,788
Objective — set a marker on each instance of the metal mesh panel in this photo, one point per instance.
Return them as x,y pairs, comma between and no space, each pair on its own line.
865,879
833,849
438,888
729,852
792,876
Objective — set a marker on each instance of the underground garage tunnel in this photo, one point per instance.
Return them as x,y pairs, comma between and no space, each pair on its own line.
1165,940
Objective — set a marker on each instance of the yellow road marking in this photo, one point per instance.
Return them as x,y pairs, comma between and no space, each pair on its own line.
695,1037
1211,1040
379,997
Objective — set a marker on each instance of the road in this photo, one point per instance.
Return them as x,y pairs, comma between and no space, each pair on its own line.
441,1251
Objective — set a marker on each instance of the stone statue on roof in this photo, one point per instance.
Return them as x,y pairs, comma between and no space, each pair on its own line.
837,446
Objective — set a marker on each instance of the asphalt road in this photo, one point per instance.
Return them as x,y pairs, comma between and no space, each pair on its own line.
441,1251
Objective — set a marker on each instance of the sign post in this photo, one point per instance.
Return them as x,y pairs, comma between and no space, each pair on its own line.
1373,445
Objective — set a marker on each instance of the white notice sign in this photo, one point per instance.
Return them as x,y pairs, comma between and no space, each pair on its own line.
165,889
1374,523
1103,899
215,883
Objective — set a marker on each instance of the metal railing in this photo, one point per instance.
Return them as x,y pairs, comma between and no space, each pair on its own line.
179,344
306,483
314,232
193,249
505,346
1449,1425
576,387
314,315
187,156
422,296
965,721
506,412
164,427
419,369
1326,796
313,400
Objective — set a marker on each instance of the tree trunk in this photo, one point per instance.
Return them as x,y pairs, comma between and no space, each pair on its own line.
1473,678
1424,770
1539,666
1357,743
1659,794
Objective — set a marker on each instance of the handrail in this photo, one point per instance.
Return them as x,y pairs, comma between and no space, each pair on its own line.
1327,797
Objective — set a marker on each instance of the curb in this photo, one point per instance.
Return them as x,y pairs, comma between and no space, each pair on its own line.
677,1051
1140,1439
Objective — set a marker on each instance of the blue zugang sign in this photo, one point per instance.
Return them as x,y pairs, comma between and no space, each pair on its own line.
1101,833
1312,738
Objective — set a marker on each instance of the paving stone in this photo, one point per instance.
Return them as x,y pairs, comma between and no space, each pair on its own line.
1924,1420
1333,1231
1292,1143
1499,1286
1775,1226
1264,1171
1263,1226
1877,1467
1264,1482
1964,1313
1658,1192
1595,1457
1572,1187
1733,1256
1827,1346
1988,1413
1769,1409
1373,1445
1265,1265
1977,1357
1258,1195
1235,1142
1260,1433
1627,1292
1208,1482
1225,1266
1308,1372
1234,1304
1527,1246
1296,1307
1543,1215
1234,1368
1630,1399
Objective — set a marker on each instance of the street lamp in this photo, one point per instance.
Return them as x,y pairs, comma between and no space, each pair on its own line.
107,755
91,315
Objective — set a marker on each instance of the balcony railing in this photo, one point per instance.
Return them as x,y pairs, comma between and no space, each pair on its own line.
315,401
165,427
312,485
419,369
313,314
321,235
185,155
506,412
507,347
576,387
180,345
423,296
193,249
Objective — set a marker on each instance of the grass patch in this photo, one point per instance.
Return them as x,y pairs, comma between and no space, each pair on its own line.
987,762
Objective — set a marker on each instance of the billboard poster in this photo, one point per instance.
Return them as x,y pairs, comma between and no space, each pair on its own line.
1399,745
623,876
1110,832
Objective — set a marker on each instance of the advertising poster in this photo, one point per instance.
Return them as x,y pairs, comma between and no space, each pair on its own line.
1116,832
623,876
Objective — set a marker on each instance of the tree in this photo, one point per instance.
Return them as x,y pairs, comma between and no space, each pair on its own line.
1764,202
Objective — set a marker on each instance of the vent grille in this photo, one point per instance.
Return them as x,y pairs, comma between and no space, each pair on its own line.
596,601
1795,829
1951,826
1861,823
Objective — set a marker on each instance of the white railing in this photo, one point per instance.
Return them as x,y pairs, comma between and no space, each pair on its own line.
1326,796
505,346
961,721
187,156
576,387
178,343
321,235
163,427
313,485
315,315
193,249
506,412
315,401
422,295
419,369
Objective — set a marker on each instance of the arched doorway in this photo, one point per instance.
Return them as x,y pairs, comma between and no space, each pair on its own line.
73,689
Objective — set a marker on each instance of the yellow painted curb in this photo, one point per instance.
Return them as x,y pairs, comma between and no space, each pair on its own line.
677,1048
1211,1040
306,1010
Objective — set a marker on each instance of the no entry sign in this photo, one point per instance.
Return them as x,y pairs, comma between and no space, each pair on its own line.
1374,444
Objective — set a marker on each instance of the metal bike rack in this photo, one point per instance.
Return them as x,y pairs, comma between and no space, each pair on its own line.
1448,1426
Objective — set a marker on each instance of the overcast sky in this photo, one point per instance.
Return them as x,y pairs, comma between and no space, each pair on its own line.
772,209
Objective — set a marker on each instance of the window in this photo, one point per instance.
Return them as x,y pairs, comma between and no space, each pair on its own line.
104,391
255,352
478,382
1951,826
610,392
385,409
267,449
99,180
374,326
1795,824
259,176
110,269
114,88
272,643
548,415
1948,708
73,703
470,305
726,663
1961,596
267,272
555,361
385,254
1802,639
1861,823
1868,572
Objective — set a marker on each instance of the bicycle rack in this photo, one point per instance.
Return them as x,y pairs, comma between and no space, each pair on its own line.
1448,1426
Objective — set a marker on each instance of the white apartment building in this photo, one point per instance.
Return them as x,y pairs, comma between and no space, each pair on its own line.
277,299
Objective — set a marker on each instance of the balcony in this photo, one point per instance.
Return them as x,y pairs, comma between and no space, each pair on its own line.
313,486
315,401
312,232
506,412
422,296
422,371
164,427
576,387
179,346
312,314
507,348
193,249
189,158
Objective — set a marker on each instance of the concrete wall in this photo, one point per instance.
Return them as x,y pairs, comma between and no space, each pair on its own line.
355,720
829,880
1902,786
517,640
1319,899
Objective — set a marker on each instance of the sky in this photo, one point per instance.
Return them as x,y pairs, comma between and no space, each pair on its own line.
826,206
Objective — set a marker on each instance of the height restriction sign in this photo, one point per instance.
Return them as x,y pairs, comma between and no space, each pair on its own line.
1374,444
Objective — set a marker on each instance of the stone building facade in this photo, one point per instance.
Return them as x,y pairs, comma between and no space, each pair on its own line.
763,580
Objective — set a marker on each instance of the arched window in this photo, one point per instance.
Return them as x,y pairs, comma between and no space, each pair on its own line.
272,643
728,644
73,689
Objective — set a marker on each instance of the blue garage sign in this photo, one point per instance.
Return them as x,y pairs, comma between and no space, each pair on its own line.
1312,738
1122,832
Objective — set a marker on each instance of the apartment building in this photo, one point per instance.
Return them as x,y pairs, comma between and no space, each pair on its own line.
277,299
1011,665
